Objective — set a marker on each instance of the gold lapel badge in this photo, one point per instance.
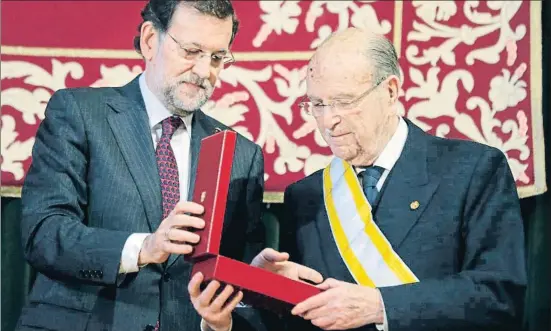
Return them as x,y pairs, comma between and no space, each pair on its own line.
414,205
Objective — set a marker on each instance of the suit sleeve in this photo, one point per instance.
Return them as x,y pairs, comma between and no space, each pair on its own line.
252,319
287,227
265,320
288,243
488,291
57,242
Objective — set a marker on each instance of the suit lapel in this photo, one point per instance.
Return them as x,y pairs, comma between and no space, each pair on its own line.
201,127
408,189
130,125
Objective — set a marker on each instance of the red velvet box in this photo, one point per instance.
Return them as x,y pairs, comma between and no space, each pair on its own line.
260,287
211,189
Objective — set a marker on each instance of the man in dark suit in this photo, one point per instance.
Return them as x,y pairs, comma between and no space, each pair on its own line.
411,232
105,202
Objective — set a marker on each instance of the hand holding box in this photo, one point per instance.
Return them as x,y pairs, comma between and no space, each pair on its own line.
261,288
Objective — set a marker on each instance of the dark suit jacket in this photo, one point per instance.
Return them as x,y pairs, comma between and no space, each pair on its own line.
465,242
92,183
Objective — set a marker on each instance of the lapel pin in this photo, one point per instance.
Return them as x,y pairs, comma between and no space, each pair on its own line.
414,205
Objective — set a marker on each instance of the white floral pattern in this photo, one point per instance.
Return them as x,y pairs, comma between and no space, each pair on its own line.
280,16
14,152
32,104
453,36
363,16
440,96
117,75
432,11
442,91
440,99
290,85
508,90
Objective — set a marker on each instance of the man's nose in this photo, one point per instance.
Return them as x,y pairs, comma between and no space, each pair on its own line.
330,120
202,67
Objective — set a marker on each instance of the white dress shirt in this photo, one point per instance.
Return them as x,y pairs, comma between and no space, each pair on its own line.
391,152
180,144
387,160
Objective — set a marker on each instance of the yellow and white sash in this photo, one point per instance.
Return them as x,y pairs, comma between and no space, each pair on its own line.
363,247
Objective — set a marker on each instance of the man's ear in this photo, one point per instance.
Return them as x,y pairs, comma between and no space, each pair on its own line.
393,88
149,40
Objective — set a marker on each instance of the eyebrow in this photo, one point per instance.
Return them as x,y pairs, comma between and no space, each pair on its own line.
344,96
336,97
224,51
312,98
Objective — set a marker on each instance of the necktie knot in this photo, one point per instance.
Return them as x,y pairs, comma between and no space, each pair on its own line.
170,125
371,175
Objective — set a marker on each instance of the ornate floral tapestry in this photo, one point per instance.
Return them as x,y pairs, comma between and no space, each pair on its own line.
471,70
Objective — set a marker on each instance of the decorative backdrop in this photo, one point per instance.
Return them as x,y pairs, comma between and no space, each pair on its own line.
472,70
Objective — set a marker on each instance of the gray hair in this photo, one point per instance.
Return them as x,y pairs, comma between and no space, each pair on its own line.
382,56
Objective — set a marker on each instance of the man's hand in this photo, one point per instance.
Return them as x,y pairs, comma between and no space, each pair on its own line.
215,311
277,262
342,306
171,236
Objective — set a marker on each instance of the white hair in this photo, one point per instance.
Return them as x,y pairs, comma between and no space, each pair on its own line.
382,56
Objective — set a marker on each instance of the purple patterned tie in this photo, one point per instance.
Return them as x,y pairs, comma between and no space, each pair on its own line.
166,163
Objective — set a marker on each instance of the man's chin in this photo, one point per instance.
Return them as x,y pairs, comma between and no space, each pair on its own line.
182,112
190,105
342,153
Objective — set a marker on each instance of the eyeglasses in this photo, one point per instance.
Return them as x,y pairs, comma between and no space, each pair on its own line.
317,109
192,53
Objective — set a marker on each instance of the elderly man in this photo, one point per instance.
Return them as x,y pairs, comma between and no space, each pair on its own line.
411,232
105,203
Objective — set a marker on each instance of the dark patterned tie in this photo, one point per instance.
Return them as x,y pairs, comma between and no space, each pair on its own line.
370,176
166,163
168,169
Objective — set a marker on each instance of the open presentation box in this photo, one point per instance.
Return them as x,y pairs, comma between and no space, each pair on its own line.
261,288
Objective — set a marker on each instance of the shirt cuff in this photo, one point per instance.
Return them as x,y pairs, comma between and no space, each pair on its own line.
206,327
384,326
131,253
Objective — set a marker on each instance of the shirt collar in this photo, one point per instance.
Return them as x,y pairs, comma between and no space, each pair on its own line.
393,149
156,111
390,154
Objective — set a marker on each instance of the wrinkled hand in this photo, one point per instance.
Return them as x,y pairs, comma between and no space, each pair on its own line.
342,306
277,262
217,312
171,236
